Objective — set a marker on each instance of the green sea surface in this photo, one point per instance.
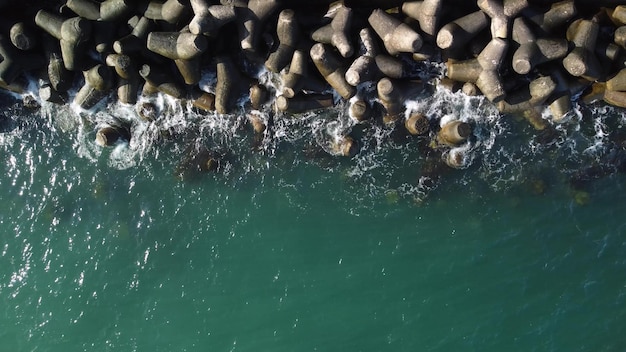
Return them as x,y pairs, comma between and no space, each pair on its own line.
285,250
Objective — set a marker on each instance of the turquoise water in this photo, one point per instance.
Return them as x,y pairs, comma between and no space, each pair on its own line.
289,249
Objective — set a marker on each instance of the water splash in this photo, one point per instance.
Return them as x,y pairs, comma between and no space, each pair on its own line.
502,151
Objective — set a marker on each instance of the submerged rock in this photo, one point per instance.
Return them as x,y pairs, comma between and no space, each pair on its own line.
195,162
111,135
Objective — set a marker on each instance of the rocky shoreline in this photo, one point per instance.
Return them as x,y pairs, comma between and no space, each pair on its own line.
522,55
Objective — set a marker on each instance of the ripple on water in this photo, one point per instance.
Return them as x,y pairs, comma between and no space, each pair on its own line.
108,245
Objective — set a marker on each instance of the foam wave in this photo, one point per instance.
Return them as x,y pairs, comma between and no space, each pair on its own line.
501,151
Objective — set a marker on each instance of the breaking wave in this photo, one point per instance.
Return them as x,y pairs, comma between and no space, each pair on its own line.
503,152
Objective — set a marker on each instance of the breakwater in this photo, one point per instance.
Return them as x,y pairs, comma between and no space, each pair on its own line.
275,241
370,60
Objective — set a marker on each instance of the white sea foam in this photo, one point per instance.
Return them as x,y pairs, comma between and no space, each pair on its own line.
499,148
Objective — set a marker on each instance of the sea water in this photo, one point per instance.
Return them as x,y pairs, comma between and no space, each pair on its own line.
288,248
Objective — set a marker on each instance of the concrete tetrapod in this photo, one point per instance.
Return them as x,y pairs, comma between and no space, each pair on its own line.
360,110
417,124
109,135
288,36
397,36
230,85
259,96
337,32
208,19
170,11
158,80
617,82
392,94
60,78
258,123
184,48
454,133
108,10
559,13
582,61
98,82
250,20
456,34
299,76
543,50
529,97
304,102
332,70
426,12
371,65
72,33
203,100
293,78
177,45
560,101
499,20
23,36
128,77
490,84
136,40
456,158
